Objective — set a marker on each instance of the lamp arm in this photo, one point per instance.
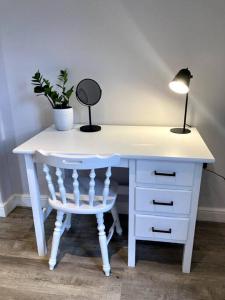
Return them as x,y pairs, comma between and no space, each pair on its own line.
185,112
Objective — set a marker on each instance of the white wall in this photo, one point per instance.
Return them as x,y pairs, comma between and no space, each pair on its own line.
133,49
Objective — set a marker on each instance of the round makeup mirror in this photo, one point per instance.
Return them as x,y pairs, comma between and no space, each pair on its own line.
88,93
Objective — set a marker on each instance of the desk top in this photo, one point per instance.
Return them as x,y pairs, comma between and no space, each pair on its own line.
144,142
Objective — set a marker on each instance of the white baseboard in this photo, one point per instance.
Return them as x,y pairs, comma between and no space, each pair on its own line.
24,200
216,214
7,206
211,214
18,200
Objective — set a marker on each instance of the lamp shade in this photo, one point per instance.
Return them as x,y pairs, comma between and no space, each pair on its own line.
180,83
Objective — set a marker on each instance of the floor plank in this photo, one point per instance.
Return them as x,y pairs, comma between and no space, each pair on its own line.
78,275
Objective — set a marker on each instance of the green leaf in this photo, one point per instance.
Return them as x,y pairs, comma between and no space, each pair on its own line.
69,92
37,75
35,83
47,82
63,76
38,89
54,96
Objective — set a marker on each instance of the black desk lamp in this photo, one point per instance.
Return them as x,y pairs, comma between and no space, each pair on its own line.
180,85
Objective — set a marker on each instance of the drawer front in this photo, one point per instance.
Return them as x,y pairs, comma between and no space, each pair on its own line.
161,227
162,200
164,172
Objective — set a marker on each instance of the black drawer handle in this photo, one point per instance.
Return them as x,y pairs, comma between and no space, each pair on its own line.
173,174
163,203
162,231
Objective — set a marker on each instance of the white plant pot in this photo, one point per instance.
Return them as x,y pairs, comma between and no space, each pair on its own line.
63,118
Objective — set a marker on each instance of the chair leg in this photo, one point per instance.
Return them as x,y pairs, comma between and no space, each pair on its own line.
68,221
56,239
103,244
116,220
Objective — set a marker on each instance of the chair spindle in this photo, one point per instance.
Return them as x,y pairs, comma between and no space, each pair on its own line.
92,187
49,181
76,191
61,185
106,185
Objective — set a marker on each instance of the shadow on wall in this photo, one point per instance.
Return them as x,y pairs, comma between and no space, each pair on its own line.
10,179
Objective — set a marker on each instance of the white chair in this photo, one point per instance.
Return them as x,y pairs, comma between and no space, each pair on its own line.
81,195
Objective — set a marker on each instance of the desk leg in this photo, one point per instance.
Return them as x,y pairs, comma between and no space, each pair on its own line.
36,205
188,247
131,233
187,255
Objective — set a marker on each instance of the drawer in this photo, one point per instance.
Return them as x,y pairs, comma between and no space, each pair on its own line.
162,200
175,229
165,172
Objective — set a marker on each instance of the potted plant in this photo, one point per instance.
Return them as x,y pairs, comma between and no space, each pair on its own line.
59,99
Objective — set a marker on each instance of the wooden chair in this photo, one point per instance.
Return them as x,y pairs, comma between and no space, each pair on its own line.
81,195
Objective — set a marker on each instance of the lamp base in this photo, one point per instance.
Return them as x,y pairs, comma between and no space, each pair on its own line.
180,130
90,128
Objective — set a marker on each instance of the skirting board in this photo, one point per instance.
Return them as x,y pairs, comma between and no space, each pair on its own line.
18,200
204,213
211,214
8,206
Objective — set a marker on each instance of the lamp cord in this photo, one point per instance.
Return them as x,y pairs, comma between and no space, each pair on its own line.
210,171
219,175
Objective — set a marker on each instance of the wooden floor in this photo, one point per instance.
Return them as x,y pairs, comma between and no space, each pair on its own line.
24,275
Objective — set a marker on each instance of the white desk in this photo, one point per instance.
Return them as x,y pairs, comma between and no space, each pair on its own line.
164,178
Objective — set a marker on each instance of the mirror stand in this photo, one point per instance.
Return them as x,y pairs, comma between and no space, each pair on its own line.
90,127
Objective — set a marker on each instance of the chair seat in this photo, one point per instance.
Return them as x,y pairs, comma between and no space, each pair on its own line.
84,207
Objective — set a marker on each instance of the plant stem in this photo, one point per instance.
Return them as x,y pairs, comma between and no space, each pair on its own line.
51,102
49,99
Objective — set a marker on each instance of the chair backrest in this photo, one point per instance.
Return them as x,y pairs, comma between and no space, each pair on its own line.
75,163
